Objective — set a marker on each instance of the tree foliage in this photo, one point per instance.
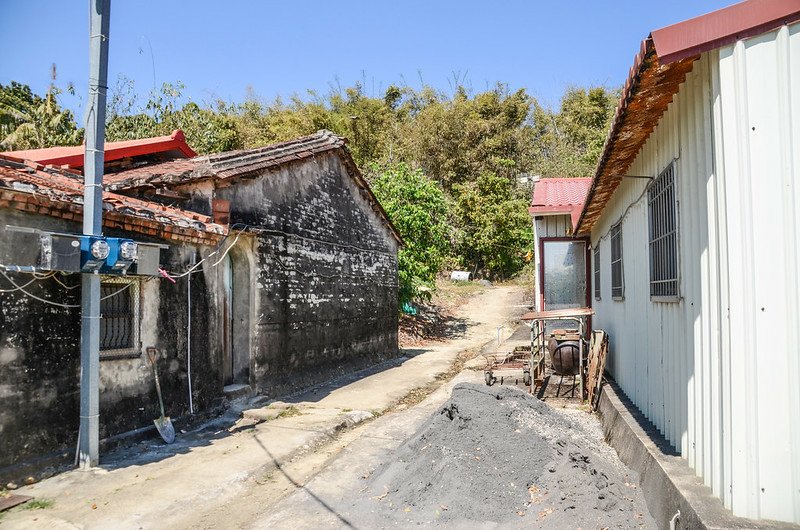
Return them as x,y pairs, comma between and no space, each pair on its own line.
496,228
569,142
431,156
419,210
208,130
30,121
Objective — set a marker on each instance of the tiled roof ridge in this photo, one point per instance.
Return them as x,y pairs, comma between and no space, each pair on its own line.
29,186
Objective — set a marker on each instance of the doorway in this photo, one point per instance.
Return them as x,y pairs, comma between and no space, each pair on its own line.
564,275
236,318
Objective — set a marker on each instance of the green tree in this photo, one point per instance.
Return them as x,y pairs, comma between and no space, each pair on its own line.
418,208
29,121
496,231
569,142
207,130
456,139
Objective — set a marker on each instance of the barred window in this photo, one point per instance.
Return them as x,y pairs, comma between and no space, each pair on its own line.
596,259
663,228
119,318
617,277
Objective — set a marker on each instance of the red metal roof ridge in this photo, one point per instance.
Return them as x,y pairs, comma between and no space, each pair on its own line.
722,27
72,156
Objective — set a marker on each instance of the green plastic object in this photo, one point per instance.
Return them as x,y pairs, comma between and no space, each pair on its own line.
409,309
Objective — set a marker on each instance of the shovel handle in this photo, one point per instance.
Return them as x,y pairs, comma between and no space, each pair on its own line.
152,355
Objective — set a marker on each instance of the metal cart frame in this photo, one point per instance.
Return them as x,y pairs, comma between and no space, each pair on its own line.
537,321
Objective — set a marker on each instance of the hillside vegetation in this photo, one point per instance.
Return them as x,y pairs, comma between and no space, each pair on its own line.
451,169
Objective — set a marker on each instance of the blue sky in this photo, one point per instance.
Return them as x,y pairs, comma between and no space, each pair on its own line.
219,48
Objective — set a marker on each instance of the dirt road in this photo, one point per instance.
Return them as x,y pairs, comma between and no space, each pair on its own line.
224,476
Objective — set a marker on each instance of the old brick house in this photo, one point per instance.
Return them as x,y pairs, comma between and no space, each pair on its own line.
296,279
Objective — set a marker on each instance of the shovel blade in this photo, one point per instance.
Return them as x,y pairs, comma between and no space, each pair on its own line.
165,429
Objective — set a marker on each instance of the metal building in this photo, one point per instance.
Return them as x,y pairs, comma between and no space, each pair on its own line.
694,221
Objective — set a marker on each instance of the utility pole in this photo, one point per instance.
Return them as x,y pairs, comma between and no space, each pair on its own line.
94,158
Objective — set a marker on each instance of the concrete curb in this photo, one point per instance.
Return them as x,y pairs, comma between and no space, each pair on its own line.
667,482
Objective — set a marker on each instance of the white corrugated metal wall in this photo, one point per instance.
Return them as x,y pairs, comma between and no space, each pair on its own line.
719,372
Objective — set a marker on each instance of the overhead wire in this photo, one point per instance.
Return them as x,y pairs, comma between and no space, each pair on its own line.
44,300
626,212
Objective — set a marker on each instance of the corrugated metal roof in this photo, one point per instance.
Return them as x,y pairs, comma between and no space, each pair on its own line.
652,83
722,27
560,195
72,156
31,187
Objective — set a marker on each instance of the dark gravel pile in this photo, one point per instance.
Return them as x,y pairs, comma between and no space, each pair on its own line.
495,456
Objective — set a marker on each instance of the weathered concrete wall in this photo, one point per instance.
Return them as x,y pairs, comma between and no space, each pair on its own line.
326,274
40,352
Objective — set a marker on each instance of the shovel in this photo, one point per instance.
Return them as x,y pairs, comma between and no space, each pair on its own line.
163,424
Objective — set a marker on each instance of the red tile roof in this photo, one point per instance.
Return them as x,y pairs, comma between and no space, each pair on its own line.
560,196
247,163
72,156
228,165
33,188
658,70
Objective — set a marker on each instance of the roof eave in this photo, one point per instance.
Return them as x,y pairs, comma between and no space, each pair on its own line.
645,97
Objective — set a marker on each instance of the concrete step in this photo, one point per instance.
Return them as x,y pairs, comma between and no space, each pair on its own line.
237,392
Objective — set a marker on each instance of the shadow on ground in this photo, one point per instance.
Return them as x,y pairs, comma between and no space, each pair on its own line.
153,449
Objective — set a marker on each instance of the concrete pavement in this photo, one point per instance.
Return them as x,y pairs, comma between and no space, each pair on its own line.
184,485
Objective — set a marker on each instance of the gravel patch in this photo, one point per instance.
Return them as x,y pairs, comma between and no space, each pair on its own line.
498,457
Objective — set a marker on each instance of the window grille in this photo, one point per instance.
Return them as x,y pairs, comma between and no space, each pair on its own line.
617,278
596,264
119,322
663,229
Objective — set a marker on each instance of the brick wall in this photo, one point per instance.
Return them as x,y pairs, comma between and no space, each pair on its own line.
326,274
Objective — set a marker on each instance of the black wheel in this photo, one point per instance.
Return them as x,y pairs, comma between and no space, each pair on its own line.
526,378
487,376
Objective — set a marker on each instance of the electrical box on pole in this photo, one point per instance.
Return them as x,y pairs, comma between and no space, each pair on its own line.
93,254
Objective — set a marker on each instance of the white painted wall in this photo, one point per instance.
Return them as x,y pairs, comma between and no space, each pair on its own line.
718,372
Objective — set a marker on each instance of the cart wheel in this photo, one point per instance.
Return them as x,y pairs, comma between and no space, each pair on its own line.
487,376
526,378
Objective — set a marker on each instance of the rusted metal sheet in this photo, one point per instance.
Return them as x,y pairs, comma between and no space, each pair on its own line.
558,313
9,501
647,93
597,365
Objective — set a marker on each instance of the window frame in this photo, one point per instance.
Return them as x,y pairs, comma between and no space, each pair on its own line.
617,291
596,286
135,350
658,194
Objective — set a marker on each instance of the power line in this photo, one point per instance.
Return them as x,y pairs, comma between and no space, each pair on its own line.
44,300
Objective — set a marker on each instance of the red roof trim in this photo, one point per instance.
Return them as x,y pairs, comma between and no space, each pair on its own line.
723,27
72,156
560,196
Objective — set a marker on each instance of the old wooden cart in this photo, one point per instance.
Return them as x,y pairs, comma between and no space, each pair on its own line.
532,359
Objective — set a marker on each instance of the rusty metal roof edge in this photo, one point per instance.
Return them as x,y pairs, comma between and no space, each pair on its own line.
628,92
